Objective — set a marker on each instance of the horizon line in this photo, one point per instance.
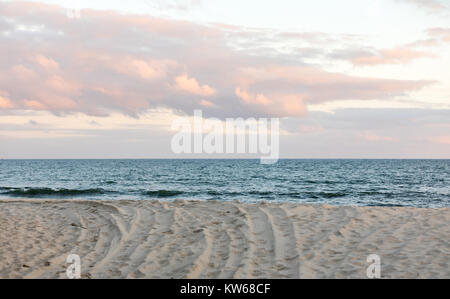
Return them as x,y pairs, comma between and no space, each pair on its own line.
221,159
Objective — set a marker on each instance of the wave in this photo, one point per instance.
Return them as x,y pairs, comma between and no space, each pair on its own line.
225,193
41,192
312,195
163,193
260,193
267,194
331,194
235,193
110,182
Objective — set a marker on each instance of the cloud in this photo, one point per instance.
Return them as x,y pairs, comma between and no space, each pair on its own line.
258,99
278,105
60,84
147,70
424,43
206,103
432,6
369,136
5,103
403,54
442,33
314,85
23,73
190,85
180,5
399,55
416,133
107,62
441,140
34,105
47,63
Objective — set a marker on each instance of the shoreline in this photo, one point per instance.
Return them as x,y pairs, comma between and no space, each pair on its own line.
176,200
219,239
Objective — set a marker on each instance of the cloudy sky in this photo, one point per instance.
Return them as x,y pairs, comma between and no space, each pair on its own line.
105,79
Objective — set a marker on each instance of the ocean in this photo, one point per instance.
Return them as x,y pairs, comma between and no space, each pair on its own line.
414,183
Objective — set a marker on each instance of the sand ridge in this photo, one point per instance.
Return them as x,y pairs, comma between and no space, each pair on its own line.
199,239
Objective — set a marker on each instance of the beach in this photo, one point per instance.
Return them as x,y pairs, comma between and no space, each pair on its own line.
216,239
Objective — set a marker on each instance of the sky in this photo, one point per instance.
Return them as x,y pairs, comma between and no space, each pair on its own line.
105,79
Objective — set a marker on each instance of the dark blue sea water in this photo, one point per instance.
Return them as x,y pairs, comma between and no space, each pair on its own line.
418,183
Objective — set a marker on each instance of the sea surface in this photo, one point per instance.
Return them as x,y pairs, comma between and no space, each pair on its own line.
417,183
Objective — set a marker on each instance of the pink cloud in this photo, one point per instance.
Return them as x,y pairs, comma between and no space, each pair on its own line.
430,42
206,103
314,85
47,63
441,140
399,55
279,104
23,73
109,62
5,103
258,99
190,85
149,70
291,105
368,136
109,92
311,129
60,84
35,105
442,33
433,6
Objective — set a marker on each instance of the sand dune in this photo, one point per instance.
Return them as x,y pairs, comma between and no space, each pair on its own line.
181,239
